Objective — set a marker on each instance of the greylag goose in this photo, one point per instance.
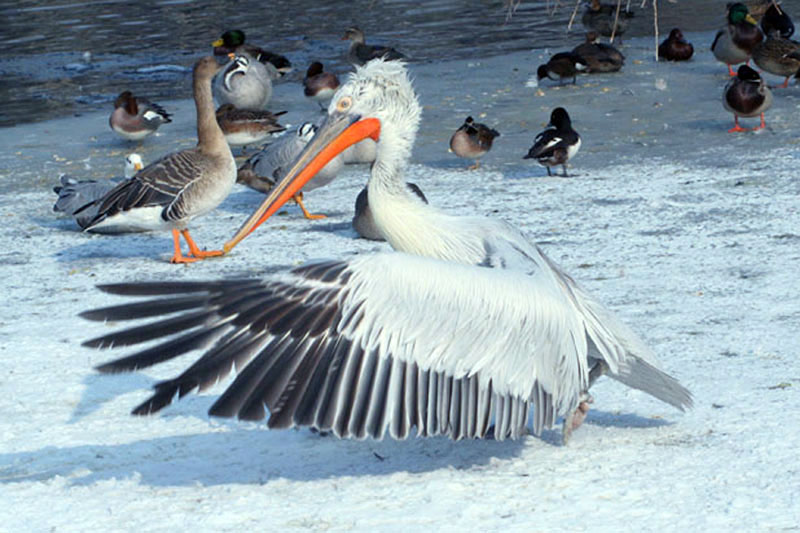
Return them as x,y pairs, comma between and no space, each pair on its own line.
170,192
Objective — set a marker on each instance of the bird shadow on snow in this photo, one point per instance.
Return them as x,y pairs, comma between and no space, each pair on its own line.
247,453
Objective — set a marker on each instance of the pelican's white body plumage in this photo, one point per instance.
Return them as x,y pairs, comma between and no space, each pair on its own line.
465,325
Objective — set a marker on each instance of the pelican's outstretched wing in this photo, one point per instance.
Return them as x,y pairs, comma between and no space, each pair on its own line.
384,341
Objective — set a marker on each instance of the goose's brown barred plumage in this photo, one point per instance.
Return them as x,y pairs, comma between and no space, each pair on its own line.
171,191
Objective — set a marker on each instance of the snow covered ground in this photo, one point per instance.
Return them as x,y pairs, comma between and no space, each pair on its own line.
689,233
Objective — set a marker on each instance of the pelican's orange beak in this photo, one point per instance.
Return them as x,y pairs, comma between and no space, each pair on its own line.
338,132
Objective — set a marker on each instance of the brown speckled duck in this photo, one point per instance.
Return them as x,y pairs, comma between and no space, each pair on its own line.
134,118
600,18
599,57
472,140
735,42
170,192
244,126
746,95
675,47
360,52
775,55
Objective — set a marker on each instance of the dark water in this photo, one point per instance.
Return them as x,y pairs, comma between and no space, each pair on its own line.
148,47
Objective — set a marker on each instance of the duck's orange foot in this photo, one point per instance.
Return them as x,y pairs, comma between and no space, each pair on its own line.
736,129
731,72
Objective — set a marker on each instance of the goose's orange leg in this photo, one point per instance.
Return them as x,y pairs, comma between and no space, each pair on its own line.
195,251
178,256
299,199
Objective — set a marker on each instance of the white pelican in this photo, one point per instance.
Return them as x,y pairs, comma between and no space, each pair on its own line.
180,186
465,325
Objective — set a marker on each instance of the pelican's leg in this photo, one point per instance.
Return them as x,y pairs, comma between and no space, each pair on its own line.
736,127
195,251
299,199
731,71
178,256
574,420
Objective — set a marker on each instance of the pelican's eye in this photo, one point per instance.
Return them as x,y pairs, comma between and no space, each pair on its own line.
344,104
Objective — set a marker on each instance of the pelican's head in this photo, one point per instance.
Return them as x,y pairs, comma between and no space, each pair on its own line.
378,101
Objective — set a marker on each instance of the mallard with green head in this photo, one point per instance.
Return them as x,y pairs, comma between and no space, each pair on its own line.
735,42
232,42
775,55
746,95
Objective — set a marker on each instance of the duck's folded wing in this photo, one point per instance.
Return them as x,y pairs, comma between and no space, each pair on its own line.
380,342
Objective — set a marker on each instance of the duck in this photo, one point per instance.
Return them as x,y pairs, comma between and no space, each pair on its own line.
735,42
265,168
172,191
557,143
561,66
746,95
244,126
78,198
363,221
599,57
233,42
675,47
775,55
245,83
319,85
472,140
134,117
775,18
360,52
600,18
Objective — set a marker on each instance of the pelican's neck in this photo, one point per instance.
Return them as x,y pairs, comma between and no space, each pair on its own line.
412,226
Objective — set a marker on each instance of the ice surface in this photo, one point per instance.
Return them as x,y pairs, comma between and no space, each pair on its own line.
688,232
